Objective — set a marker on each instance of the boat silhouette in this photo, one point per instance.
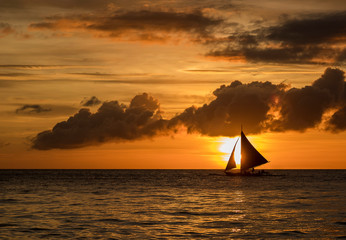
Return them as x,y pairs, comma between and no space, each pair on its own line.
250,158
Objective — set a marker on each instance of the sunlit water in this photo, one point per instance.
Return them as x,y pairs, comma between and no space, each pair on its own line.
171,204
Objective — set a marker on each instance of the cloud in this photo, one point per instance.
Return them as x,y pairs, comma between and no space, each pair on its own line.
32,108
265,106
36,67
235,105
337,122
141,25
304,108
18,74
258,106
309,40
48,110
84,4
313,30
93,101
112,122
145,81
98,74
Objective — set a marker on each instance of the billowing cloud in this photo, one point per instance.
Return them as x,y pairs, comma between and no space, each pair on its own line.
304,108
112,122
136,25
269,107
235,105
93,101
337,122
32,108
258,106
311,39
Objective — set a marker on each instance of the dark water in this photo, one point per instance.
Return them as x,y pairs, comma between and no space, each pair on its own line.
171,204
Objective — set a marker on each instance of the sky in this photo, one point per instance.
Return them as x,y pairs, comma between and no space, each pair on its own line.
167,84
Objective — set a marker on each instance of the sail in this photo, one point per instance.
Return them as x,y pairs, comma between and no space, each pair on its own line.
231,162
250,157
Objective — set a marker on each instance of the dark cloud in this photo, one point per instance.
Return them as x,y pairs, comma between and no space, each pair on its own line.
314,30
93,101
235,105
18,74
32,108
207,70
97,74
337,122
144,81
145,101
265,106
86,4
37,67
310,40
304,108
140,25
258,106
332,81
48,110
112,122
275,55
164,21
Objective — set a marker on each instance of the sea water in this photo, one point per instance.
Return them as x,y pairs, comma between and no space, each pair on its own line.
171,204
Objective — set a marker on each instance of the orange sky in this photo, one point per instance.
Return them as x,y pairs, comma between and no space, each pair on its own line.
57,55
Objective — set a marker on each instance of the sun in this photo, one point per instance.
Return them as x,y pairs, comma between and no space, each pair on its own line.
227,145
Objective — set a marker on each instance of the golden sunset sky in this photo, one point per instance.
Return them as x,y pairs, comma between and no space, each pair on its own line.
167,84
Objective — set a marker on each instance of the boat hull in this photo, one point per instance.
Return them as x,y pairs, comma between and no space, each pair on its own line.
247,173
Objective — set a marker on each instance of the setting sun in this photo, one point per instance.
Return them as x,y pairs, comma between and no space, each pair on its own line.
227,145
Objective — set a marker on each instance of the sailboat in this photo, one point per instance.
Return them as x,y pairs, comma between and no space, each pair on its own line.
250,158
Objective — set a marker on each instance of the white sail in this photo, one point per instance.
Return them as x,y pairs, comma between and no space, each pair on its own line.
231,162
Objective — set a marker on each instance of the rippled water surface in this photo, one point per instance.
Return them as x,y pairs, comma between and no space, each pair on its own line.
171,204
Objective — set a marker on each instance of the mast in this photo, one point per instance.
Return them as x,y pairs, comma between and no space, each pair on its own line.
250,157
231,162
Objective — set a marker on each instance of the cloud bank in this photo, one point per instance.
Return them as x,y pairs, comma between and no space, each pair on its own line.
141,25
70,4
111,122
311,40
258,106
263,106
307,39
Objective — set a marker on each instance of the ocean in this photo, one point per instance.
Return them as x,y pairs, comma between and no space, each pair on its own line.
171,204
